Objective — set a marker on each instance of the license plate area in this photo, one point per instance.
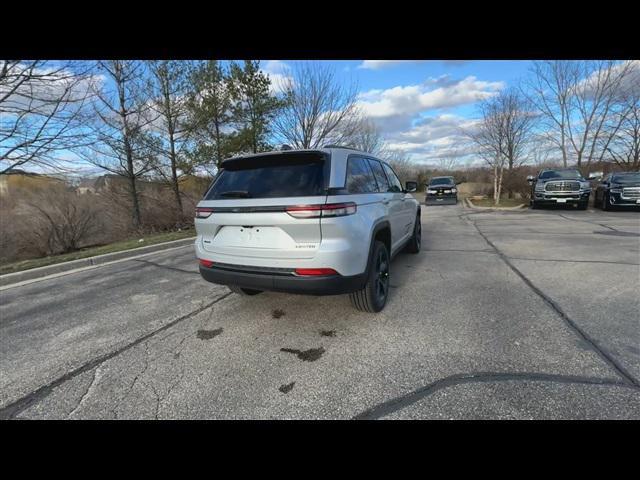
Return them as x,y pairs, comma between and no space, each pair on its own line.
561,200
252,237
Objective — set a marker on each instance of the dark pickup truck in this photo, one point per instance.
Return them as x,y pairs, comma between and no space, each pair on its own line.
619,189
560,186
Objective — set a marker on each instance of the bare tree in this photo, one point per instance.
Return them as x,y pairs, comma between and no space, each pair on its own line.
366,136
503,133
42,111
576,99
122,144
319,108
63,220
448,163
169,89
489,137
624,128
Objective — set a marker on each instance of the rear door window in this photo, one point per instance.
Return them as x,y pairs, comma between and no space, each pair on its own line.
360,179
378,173
271,176
394,182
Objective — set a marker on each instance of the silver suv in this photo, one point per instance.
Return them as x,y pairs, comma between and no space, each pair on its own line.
319,222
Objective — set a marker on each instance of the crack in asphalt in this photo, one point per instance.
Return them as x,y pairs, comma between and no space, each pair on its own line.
573,261
159,265
96,376
16,407
390,406
615,365
587,221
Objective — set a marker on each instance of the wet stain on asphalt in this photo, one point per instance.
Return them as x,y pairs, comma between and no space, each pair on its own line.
327,333
310,355
286,388
209,334
277,313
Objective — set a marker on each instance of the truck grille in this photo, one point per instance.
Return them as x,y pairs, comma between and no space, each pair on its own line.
562,187
631,192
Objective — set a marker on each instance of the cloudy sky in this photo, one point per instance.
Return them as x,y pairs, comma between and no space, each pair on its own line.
420,106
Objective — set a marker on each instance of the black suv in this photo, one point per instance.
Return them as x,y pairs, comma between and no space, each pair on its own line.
559,186
619,189
441,190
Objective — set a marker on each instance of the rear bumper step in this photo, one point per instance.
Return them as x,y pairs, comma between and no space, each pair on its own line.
283,281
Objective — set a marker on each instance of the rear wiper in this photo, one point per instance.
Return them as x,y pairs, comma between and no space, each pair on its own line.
236,193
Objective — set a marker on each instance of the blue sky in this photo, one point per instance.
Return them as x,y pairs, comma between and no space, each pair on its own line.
420,107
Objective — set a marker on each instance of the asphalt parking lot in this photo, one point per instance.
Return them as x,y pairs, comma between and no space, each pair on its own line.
510,315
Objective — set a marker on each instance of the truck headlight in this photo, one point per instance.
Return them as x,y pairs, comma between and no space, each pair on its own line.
585,185
432,191
539,187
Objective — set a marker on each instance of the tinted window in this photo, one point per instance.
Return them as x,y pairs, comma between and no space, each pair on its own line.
442,181
627,178
270,176
395,185
569,174
378,173
359,176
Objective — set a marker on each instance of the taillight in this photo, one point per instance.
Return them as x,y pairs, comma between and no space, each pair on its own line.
203,212
206,263
327,210
315,271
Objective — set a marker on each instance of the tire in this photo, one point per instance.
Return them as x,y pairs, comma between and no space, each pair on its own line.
413,246
373,297
605,202
583,205
245,292
534,205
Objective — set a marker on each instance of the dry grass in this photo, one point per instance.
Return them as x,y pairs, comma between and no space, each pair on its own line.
93,251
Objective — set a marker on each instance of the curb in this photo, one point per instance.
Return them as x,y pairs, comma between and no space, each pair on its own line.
474,207
17,277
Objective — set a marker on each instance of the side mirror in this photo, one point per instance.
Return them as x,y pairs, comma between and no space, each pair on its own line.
595,175
531,179
411,187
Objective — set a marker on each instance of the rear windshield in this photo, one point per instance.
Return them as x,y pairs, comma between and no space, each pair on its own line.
441,181
270,176
569,174
627,178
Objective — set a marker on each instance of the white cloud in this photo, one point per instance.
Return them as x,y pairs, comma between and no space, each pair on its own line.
395,108
435,137
380,64
278,72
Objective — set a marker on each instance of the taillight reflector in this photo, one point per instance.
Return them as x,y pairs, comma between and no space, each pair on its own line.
315,271
206,263
203,212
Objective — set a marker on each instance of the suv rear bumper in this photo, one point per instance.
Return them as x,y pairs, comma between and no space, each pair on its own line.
308,285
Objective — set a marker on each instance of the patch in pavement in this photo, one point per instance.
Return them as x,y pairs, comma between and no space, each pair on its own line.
327,333
310,355
618,233
286,388
209,334
277,313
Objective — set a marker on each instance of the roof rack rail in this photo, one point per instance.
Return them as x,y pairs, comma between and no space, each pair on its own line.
331,145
